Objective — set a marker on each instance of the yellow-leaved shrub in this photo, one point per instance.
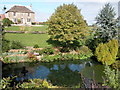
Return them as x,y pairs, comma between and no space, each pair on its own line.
106,53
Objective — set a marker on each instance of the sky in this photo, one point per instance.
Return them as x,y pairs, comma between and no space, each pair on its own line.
44,8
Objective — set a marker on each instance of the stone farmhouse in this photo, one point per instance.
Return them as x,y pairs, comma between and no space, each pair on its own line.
20,15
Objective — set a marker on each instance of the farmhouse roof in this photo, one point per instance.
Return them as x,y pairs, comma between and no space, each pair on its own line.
21,9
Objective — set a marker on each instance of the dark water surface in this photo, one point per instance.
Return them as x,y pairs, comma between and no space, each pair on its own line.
63,73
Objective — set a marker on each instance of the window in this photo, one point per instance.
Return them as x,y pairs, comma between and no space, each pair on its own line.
28,14
15,20
28,20
0,17
14,14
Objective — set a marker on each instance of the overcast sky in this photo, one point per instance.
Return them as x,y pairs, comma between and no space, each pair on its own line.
44,8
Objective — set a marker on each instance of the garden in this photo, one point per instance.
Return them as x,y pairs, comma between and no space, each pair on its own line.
70,54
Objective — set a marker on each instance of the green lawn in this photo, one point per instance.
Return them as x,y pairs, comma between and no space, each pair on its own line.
29,39
27,28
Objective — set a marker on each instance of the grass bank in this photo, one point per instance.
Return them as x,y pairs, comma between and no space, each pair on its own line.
29,39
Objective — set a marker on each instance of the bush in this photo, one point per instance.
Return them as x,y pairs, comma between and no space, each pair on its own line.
32,57
16,45
112,78
106,53
7,22
5,45
116,65
68,56
118,55
33,23
36,46
47,51
35,83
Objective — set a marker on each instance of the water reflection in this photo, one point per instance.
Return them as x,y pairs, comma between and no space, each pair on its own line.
62,73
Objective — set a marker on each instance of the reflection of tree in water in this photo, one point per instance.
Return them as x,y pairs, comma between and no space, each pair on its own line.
64,77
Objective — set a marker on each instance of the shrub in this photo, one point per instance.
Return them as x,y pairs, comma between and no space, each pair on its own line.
116,65
118,55
47,51
16,45
68,56
6,82
106,53
112,78
84,50
33,23
5,45
35,46
35,83
32,57
7,22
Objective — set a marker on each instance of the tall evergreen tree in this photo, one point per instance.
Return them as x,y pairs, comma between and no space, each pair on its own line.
67,27
107,24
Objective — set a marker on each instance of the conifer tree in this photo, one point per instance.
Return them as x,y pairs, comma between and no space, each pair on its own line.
107,24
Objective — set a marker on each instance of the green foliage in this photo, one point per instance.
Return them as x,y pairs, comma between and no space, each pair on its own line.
112,78
6,82
5,43
7,22
116,65
19,21
118,55
35,83
16,45
14,59
84,50
67,28
106,53
67,56
107,23
48,51
36,46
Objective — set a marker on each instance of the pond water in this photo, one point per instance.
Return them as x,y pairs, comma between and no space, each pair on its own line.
62,73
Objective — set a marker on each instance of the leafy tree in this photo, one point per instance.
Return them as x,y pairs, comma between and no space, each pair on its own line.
106,53
7,22
67,28
107,23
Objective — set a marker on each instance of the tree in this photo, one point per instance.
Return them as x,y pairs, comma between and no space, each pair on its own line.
7,22
106,53
3,42
107,23
67,28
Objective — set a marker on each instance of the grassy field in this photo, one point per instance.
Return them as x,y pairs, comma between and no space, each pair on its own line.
27,28
29,39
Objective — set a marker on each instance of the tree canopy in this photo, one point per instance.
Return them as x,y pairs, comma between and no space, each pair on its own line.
107,23
66,26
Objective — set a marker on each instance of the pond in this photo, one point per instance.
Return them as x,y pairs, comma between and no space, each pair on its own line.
61,73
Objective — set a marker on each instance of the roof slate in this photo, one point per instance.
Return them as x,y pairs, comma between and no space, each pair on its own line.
22,9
